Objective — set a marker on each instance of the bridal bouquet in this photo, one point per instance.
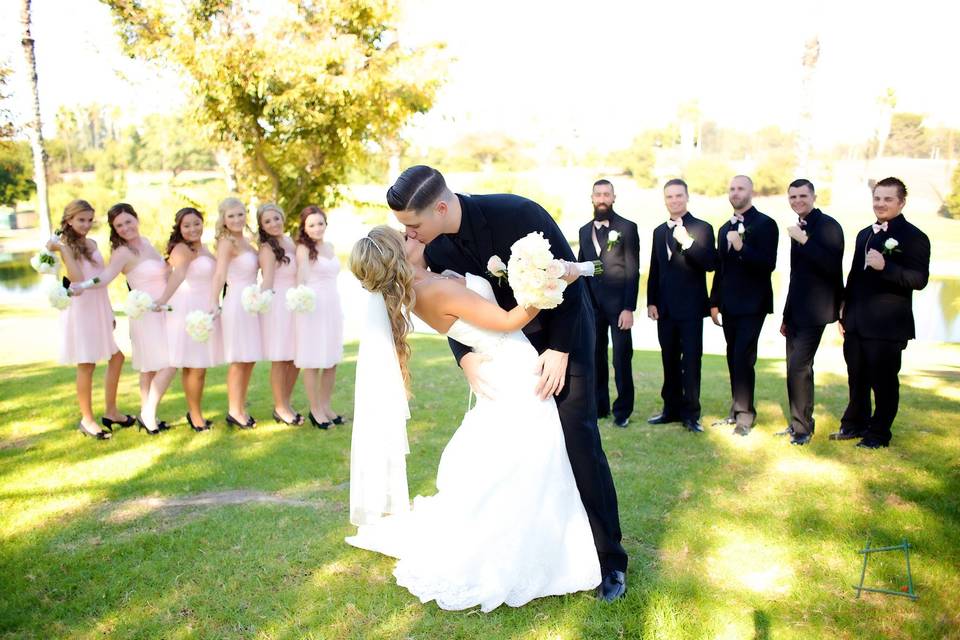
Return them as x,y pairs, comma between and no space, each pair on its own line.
535,276
58,295
254,300
46,262
138,302
301,299
199,325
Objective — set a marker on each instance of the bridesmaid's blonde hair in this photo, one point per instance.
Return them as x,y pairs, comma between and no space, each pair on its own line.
380,264
228,204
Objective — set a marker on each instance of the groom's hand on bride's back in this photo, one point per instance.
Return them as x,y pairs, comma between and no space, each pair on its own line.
552,369
470,363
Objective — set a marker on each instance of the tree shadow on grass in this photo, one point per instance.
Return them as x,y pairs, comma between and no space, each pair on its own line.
725,535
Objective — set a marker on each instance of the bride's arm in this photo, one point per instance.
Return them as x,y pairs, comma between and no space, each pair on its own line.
456,300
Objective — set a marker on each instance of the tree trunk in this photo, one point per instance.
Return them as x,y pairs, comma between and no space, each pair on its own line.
36,134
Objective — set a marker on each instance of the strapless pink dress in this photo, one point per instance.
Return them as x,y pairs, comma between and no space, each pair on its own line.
193,294
86,326
148,333
320,333
277,324
241,330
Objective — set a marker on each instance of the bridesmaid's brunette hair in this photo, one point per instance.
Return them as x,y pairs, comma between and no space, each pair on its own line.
380,264
69,237
417,188
176,236
266,238
112,213
302,237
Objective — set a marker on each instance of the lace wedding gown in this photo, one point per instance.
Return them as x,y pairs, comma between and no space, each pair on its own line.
506,524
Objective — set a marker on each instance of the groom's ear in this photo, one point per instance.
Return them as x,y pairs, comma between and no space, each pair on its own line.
441,207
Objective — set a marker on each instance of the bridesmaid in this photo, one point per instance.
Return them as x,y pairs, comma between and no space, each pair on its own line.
87,324
319,333
237,265
145,270
188,289
278,269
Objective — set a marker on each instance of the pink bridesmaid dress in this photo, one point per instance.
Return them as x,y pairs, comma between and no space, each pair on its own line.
277,324
241,330
193,294
86,326
320,332
148,333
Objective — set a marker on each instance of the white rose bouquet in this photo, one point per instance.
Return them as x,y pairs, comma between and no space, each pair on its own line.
58,296
535,276
301,299
199,325
254,300
139,302
46,262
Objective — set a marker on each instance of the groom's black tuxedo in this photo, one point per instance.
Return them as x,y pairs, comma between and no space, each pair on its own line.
490,224
612,292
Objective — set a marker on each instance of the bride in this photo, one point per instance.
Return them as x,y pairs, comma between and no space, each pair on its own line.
507,524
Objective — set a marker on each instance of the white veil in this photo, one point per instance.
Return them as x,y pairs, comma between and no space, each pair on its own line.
378,466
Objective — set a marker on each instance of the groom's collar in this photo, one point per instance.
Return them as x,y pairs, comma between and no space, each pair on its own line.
474,230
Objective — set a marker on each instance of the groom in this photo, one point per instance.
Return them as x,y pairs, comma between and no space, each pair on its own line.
462,233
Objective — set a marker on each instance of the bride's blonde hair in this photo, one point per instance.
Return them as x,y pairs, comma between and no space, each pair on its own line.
380,264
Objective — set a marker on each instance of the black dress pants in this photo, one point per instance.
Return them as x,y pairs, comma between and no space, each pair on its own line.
872,365
622,368
802,345
742,334
681,351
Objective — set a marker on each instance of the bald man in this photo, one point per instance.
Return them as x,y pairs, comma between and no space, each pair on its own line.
742,295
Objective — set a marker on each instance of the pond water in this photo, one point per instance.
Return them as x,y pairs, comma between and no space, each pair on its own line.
936,308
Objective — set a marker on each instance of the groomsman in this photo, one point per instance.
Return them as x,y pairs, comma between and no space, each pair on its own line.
890,262
813,300
681,254
614,241
743,294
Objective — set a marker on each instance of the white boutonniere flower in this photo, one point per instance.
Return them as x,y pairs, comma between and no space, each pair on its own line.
497,268
890,246
742,230
613,239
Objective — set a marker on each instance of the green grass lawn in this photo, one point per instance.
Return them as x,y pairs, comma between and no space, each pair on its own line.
230,534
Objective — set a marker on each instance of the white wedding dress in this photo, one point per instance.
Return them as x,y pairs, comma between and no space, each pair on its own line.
506,524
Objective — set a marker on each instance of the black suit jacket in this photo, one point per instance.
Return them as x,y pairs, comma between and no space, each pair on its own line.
816,274
879,304
742,283
677,285
489,226
616,288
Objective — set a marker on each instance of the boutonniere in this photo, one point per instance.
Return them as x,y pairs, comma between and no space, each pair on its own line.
613,239
496,268
742,230
890,246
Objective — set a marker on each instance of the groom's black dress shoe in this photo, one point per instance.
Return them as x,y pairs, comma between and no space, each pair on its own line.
621,422
845,435
693,425
613,587
869,443
661,418
801,438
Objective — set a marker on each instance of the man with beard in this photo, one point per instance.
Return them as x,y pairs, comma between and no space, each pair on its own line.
890,262
681,254
615,242
743,294
813,301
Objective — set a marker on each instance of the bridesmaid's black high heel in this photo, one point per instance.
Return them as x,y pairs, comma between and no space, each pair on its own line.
205,427
297,419
109,424
319,425
249,424
338,420
99,435
142,426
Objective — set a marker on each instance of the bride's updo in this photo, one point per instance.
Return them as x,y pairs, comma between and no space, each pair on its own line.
380,264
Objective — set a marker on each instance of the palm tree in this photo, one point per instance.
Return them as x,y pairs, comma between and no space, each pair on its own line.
36,134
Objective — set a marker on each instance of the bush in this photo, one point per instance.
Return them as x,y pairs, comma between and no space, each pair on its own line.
708,175
951,206
774,174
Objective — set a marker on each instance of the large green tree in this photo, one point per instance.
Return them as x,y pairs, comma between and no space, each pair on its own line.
297,91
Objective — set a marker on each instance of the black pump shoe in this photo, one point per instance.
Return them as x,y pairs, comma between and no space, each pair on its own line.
140,426
204,427
249,424
99,435
338,420
291,423
109,424
319,425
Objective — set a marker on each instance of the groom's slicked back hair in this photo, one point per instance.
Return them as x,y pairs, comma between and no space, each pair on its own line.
417,188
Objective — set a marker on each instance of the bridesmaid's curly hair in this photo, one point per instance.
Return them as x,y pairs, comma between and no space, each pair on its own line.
302,237
69,237
176,236
112,214
380,264
266,238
